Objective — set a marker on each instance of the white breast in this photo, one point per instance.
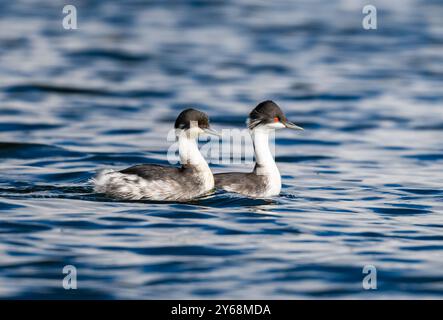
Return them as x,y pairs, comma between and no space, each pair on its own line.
208,179
271,172
274,187
265,161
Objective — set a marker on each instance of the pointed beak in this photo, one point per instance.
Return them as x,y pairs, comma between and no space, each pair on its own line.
290,125
211,132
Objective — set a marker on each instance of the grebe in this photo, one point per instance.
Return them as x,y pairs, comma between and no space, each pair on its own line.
164,183
264,181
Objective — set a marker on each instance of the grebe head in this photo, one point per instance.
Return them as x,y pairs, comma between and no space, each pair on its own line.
268,114
193,123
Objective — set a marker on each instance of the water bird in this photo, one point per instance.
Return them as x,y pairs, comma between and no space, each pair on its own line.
265,180
166,183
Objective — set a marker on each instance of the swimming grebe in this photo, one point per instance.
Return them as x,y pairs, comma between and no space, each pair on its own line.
264,181
164,183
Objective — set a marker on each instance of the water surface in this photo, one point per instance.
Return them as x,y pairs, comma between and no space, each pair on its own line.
362,185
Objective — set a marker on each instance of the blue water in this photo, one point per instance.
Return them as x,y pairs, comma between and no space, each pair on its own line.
362,185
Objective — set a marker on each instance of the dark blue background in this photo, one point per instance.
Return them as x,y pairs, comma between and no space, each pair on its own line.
361,185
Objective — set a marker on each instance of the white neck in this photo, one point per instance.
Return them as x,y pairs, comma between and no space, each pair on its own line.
263,154
189,152
265,160
190,155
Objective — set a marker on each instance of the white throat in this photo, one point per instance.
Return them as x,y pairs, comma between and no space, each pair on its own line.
189,152
190,155
265,160
263,154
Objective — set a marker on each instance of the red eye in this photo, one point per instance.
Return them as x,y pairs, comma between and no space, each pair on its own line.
276,119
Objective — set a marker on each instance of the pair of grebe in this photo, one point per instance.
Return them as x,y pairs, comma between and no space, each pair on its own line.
194,178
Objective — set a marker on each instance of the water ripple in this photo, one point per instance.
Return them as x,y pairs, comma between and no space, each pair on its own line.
361,184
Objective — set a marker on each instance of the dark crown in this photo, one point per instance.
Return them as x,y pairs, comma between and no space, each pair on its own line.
265,112
186,116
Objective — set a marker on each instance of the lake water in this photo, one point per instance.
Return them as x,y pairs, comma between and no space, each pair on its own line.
362,185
